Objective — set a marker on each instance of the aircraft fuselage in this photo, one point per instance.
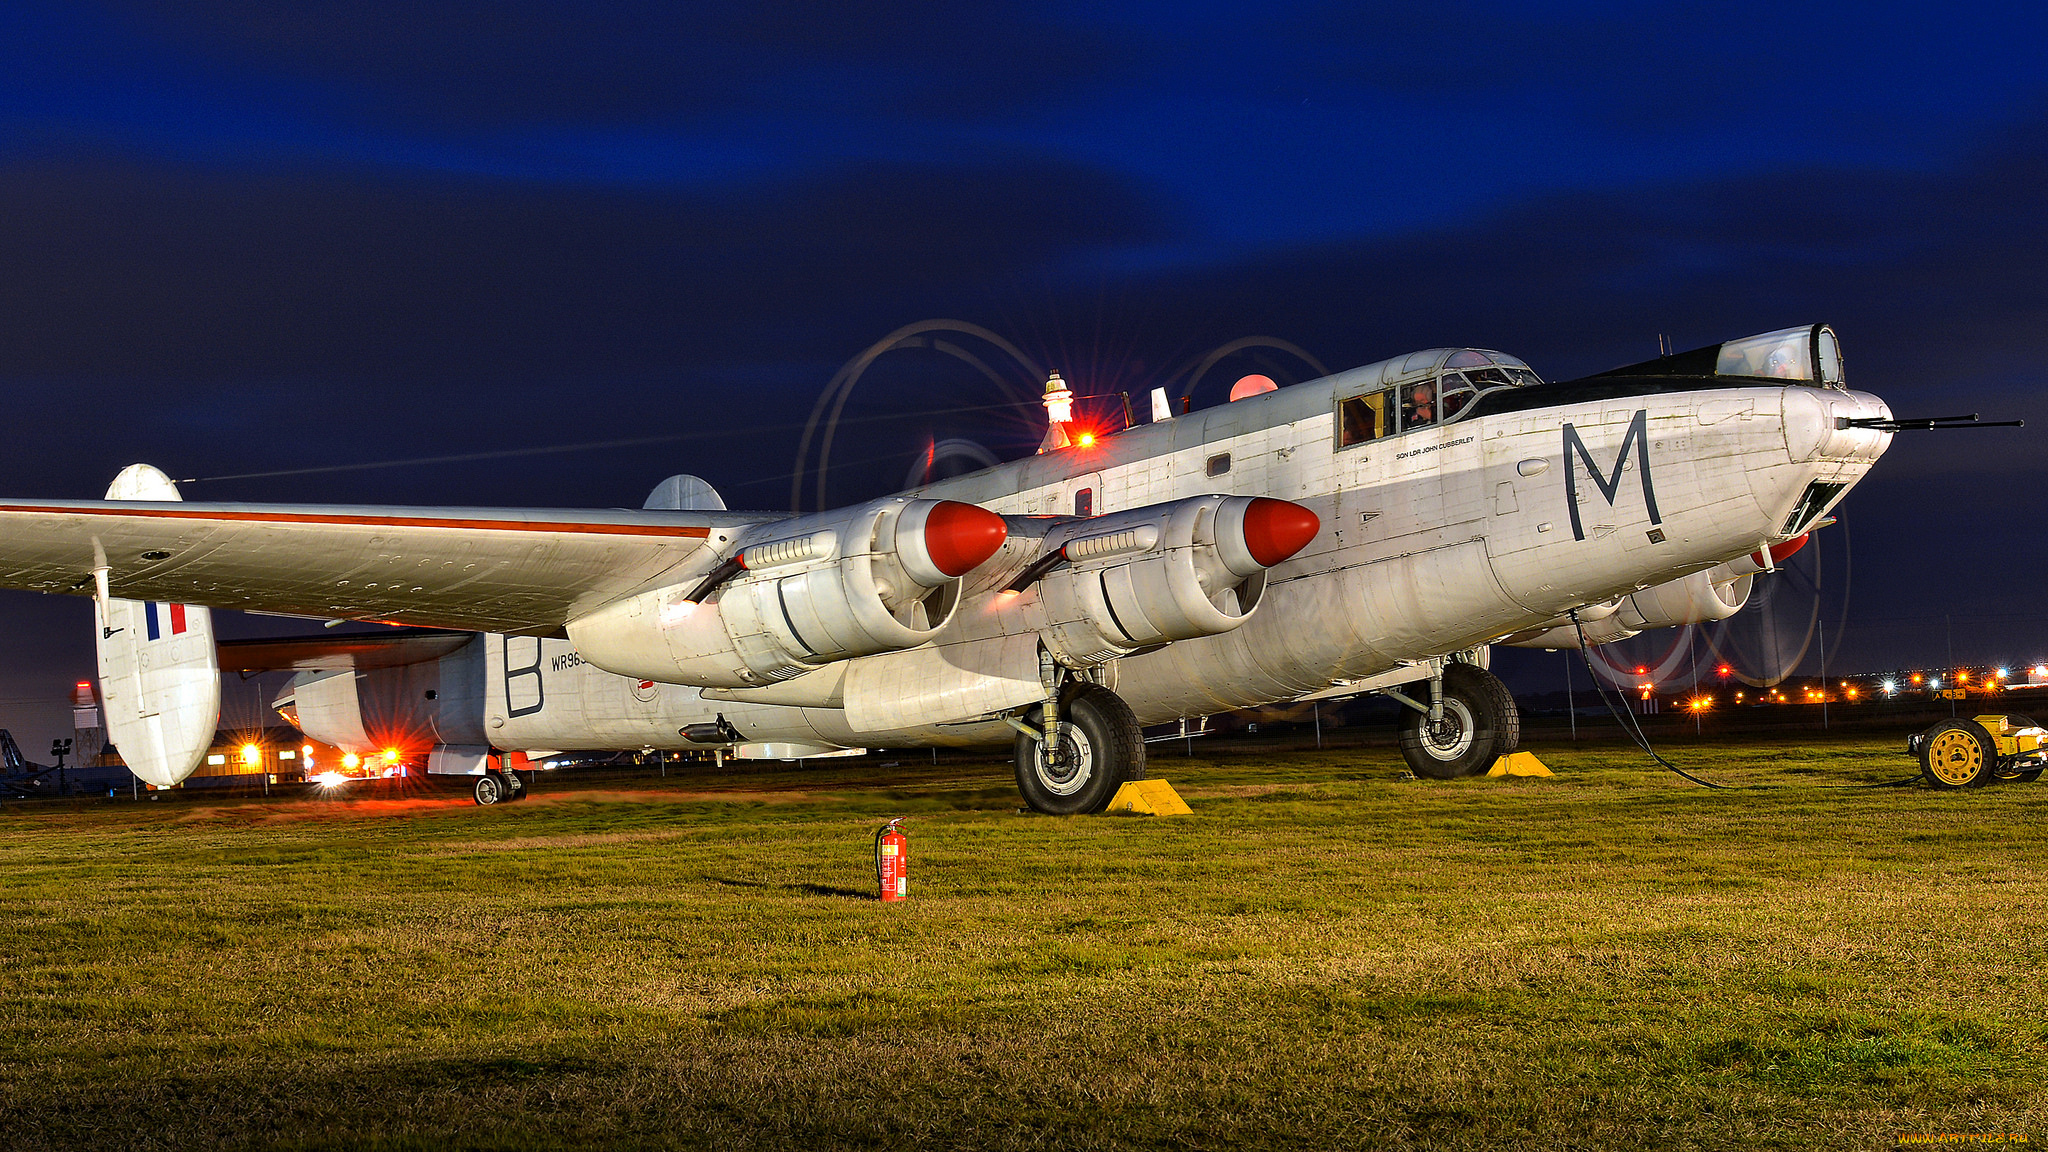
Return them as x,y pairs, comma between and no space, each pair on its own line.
1539,500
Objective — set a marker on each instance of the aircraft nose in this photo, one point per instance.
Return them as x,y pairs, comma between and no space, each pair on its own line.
1822,423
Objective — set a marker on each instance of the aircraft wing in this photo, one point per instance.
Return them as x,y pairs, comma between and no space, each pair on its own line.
514,570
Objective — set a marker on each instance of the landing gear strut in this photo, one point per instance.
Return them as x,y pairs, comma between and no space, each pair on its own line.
1097,748
1471,721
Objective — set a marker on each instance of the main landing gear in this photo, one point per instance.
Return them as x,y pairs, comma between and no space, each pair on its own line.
1468,723
1096,747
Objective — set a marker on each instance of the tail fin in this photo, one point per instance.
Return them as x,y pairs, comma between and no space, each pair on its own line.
159,672
10,754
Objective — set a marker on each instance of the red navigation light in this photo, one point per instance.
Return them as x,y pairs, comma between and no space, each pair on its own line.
1085,439
1640,670
1725,670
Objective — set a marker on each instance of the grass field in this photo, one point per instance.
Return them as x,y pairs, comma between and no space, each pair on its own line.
1326,955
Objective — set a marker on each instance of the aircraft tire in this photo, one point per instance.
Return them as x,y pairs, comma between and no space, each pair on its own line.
489,789
1104,748
1958,754
1481,724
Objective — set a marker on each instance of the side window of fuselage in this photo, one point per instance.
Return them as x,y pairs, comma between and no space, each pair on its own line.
1362,418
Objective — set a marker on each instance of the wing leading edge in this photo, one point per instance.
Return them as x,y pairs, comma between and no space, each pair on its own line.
514,570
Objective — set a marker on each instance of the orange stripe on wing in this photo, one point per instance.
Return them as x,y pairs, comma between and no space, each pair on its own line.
683,531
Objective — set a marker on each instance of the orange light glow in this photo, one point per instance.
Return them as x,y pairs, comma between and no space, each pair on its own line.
251,754
1701,703
1916,677
391,755
1962,677
1085,440
351,761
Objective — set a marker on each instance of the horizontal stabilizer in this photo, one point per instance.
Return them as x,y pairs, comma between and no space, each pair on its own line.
158,676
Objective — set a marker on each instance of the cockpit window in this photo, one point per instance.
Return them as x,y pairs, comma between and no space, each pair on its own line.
1426,388
1785,355
1811,354
1418,404
1363,418
1830,357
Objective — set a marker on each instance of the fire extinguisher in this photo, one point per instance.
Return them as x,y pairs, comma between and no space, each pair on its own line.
892,861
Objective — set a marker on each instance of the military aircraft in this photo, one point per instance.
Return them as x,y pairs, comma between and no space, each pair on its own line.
1371,531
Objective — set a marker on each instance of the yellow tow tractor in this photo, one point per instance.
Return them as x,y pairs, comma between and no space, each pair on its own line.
1967,753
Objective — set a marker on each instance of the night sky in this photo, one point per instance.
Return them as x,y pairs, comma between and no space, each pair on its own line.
240,238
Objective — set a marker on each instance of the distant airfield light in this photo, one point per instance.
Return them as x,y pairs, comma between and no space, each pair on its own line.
1852,693
329,779
2041,670
1916,677
1086,440
391,755
1701,703
1934,682
2002,673
1891,686
251,754
1725,670
351,761
1962,677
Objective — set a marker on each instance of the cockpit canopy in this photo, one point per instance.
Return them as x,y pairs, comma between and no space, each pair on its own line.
1810,354
1433,386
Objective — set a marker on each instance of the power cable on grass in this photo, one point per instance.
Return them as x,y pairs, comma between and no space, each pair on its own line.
1626,720
1634,731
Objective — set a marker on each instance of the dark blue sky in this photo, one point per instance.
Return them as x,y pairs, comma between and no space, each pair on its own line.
240,237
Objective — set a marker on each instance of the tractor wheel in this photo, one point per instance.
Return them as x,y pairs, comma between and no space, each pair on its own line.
1958,754
1480,724
1100,747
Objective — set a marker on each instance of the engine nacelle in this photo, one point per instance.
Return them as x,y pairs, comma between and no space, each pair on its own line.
1151,576
1701,598
804,593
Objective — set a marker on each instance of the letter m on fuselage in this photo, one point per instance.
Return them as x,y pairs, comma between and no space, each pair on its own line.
1609,484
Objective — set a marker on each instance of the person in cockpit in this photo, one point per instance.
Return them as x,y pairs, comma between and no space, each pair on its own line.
1783,363
1419,408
